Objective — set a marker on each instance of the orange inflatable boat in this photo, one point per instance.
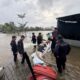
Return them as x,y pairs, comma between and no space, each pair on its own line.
44,72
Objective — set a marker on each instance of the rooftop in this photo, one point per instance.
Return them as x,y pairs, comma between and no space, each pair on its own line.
74,17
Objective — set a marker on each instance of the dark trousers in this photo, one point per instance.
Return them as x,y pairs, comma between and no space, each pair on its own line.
25,57
34,42
52,48
15,56
60,64
53,52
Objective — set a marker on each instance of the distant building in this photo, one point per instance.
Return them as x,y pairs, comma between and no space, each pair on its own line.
69,26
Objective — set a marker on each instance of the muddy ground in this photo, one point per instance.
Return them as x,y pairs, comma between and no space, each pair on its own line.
22,72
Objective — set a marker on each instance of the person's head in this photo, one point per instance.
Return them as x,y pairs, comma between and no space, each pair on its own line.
22,37
33,33
13,37
59,39
56,28
34,49
35,46
52,33
48,34
55,32
40,34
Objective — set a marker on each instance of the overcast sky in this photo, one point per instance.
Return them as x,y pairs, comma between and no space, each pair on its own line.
38,12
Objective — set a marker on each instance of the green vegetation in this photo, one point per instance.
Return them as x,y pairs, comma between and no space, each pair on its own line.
12,28
8,28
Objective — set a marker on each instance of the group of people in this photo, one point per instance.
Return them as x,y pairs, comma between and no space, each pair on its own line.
37,39
18,47
59,48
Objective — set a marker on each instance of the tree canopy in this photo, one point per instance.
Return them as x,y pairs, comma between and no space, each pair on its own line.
12,28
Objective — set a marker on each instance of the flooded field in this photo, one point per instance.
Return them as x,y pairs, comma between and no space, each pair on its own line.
73,59
5,49
22,72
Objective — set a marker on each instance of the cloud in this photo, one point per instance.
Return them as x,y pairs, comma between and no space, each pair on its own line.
38,12
6,3
45,4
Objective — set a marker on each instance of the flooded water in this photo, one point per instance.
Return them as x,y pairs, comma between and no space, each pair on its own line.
5,50
73,61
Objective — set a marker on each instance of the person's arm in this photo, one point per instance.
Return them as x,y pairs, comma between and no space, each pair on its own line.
11,43
13,46
32,39
50,38
22,47
56,51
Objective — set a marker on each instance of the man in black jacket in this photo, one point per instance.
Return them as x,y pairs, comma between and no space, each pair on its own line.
21,45
14,47
55,33
62,49
39,39
24,54
33,38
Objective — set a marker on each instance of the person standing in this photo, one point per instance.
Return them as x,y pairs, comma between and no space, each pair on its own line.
53,39
21,48
33,38
61,51
39,39
14,47
24,54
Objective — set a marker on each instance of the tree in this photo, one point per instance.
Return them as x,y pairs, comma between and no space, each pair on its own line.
9,27
23,24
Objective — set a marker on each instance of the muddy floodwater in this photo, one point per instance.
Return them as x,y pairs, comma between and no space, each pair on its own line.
5,49
73,59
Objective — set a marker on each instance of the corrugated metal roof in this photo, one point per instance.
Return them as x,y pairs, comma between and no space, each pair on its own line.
75,17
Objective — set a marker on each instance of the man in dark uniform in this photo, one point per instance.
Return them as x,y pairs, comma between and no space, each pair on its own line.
39,39
24,54
55,33
14,47
33,38
61,51
21,48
